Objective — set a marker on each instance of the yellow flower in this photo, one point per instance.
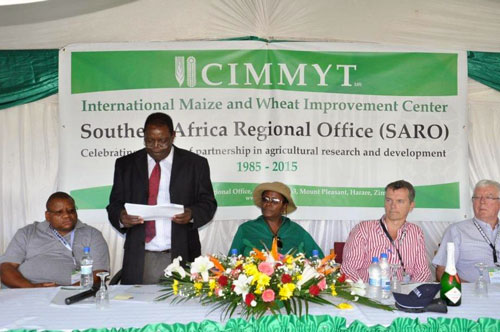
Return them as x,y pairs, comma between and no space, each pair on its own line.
344,306
332,288
198,286
298,277
262,280
250,269
289,259
286,291
175,286
212,284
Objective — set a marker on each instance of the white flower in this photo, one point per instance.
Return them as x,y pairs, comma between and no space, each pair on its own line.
308,273
242,285
269,258
357,288
175,266
202,265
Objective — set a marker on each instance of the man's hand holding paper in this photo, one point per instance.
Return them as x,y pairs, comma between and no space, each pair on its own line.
128,220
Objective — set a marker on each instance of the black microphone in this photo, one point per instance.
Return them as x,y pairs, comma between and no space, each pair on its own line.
83,295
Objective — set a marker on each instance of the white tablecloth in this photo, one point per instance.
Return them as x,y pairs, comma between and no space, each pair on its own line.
32,309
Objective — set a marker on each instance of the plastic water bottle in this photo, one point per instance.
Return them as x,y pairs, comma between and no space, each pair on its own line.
374,278
385,276
86,277
234,256
315,257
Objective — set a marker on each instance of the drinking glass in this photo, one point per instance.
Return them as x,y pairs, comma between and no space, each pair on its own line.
102,295
395,283
481,286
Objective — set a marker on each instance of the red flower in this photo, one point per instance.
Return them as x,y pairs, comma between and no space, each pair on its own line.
249,298
314,290
222,280
286,278
342,278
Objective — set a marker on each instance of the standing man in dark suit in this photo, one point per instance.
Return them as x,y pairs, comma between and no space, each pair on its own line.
160,173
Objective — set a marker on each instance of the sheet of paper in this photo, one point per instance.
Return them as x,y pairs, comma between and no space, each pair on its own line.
139,293
153,212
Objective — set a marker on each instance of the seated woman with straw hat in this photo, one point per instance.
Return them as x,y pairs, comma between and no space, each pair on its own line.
275,201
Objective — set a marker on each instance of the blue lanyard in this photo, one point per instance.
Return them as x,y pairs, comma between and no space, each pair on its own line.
65,243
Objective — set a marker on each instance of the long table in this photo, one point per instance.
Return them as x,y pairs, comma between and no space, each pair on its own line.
32,309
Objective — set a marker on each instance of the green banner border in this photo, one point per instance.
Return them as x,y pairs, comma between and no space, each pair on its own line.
377,73
234,194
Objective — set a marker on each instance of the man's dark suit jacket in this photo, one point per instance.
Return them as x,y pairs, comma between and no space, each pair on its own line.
190,186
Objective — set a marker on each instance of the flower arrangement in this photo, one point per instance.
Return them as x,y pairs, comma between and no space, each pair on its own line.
264,281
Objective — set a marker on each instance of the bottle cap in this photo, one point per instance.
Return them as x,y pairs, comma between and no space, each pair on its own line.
383,255
86,250
234,251
374,259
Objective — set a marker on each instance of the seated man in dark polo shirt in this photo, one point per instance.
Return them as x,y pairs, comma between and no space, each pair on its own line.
48,253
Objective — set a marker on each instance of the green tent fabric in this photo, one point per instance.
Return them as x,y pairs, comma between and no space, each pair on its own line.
27,76
30,75
312,323
484,67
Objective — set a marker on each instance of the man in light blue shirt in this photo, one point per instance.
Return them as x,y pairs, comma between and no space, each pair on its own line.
476,240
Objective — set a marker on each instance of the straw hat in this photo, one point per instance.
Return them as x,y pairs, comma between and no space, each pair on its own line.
278,187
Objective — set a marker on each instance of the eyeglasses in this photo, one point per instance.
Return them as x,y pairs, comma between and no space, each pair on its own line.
488,199
271,200
62,212
278,241
150,143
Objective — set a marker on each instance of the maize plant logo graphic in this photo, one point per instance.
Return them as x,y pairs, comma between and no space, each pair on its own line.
185,71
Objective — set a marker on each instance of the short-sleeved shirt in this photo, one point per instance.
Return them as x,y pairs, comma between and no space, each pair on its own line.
43,258
367,239
470,247
257,234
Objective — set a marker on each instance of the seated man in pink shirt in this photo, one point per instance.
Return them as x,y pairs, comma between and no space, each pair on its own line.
392,234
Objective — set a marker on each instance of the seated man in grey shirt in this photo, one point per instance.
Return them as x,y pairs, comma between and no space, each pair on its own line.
477,239
48,253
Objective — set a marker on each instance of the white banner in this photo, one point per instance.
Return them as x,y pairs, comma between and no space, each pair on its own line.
335,122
